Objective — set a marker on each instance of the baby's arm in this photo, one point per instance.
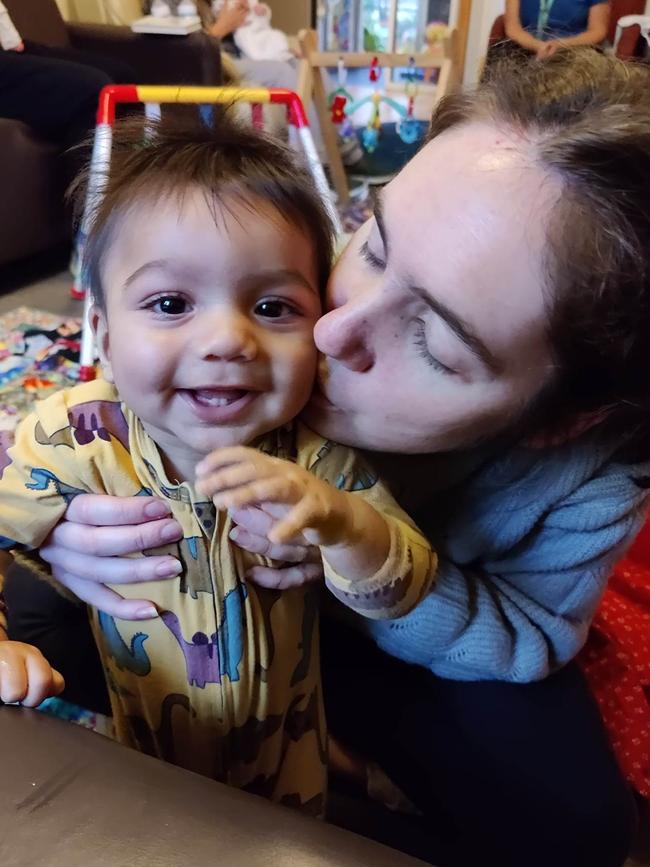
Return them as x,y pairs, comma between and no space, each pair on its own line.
376,562
25,674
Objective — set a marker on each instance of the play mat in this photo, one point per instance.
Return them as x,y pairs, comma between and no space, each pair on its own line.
39,354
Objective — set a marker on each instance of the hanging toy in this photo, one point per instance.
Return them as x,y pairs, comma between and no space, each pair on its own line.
338,109
339,98
407,127
370,135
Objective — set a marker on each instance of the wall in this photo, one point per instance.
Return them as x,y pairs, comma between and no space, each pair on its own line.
291,15
101,11
483,14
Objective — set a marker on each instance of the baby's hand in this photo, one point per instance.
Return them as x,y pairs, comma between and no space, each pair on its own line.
25,675
239,476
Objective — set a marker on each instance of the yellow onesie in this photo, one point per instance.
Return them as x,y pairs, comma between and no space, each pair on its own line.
227,681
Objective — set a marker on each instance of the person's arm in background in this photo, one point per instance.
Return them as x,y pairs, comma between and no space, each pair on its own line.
10,38
229,19
515,30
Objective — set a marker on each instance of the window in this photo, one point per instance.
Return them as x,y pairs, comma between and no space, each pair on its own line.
378,25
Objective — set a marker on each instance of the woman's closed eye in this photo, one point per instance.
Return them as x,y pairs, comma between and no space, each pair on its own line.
371,258
425,353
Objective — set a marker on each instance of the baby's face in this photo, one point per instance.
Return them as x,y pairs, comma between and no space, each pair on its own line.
208,327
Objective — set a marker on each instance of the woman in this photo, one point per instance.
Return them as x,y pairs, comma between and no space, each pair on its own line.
543,26
493,318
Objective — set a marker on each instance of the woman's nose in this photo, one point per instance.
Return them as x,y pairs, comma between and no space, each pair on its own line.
343,334
228,337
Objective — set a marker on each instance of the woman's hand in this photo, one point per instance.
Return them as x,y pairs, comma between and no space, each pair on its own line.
548,49
231,17
87,550
25,675
252,525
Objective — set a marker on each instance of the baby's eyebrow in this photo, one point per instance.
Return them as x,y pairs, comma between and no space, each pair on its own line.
154,265
278,277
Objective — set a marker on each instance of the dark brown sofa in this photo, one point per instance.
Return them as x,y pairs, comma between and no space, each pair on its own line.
31,211
70,798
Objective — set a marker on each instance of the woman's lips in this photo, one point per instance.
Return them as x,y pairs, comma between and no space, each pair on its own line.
218,405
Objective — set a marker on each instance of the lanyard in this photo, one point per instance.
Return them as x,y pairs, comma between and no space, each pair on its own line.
545,7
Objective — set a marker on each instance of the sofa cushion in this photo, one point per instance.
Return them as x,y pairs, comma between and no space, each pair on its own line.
31,177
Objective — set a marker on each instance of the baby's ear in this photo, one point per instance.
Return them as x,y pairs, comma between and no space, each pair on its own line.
99,326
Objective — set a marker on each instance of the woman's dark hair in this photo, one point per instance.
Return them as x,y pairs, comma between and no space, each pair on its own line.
587,117
232,165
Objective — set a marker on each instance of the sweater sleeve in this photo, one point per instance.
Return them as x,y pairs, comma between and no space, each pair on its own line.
410,567
9,36
522,615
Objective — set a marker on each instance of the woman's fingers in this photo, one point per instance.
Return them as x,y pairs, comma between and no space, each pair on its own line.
283,579
255,519
111,570
257,544
114,541
107,600
105,510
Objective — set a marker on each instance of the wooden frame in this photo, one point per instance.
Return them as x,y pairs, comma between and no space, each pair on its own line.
311,87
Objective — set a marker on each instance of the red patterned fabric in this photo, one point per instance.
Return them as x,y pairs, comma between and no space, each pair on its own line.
616,661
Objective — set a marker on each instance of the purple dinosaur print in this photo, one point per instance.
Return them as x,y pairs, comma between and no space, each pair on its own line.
101,418
201,653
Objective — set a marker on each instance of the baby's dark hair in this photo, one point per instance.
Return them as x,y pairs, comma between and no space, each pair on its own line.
229,162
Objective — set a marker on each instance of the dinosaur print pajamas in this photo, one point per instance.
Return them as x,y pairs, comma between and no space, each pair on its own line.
226,682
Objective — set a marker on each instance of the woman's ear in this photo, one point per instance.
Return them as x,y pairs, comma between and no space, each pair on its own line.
99,325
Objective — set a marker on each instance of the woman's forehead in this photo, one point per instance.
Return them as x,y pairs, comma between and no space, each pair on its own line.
467,221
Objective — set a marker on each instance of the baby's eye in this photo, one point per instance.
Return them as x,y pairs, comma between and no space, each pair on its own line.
169,305
273,308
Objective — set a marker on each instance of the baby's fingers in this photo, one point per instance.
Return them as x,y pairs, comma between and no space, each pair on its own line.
42,681
276,490
220,458
13,680
297,520
228,479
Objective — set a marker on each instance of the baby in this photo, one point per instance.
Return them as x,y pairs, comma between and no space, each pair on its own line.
207,261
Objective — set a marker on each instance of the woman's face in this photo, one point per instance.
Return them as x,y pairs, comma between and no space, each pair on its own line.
436,335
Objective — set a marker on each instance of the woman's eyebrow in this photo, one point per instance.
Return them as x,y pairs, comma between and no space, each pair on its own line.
461,329
381,224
